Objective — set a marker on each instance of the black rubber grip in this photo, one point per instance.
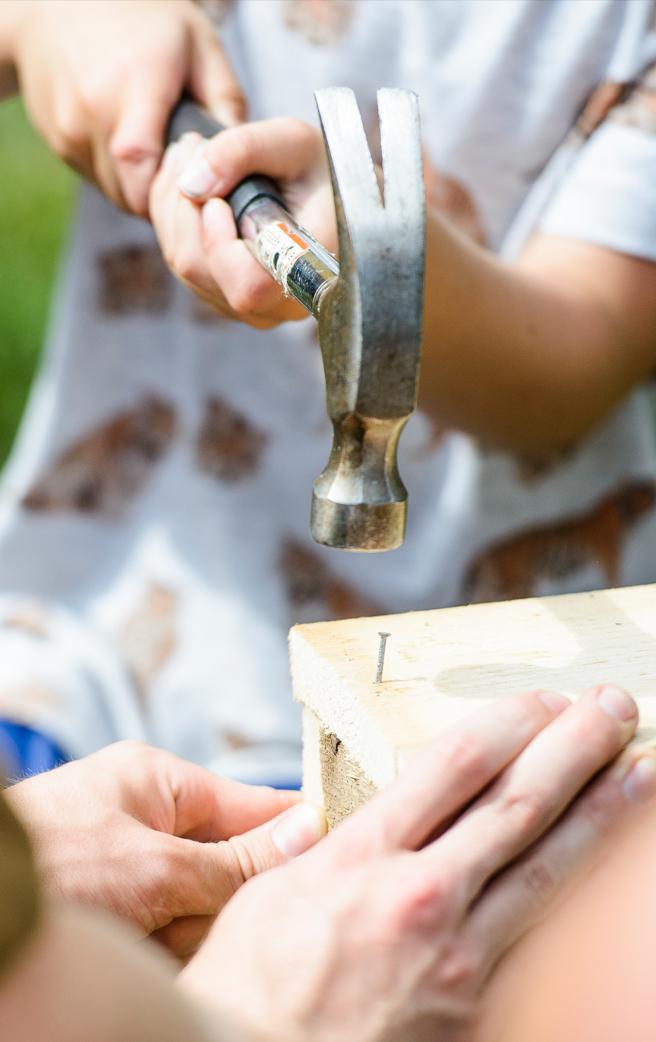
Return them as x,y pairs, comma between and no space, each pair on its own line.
188,117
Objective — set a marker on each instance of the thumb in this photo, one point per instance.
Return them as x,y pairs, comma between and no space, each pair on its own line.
206,875
280,840
232,862
213,82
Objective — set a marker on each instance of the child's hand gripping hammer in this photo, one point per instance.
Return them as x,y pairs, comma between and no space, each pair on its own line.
369,307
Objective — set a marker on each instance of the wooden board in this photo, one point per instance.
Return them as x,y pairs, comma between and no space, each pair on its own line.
441,664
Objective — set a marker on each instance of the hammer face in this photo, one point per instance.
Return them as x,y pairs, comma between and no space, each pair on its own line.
370,321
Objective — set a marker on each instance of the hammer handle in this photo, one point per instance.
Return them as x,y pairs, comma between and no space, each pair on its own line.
291,255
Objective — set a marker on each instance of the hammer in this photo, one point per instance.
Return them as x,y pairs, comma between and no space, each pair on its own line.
368,307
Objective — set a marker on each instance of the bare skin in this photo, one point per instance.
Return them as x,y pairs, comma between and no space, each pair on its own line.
157,841
528,356
523,793
417,925
561,335
100,79
567,318
587,973
82,978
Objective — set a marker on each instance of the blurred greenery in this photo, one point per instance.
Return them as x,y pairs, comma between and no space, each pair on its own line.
36,196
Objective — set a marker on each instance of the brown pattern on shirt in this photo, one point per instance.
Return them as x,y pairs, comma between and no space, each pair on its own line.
229,445
322,22
639,107
536,468
598,106
18,701
514,566
133,278
314,593
148,637
237,740
29,616
103,470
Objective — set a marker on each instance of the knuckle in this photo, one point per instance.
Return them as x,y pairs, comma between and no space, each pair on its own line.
528,809
233,95
420,901
122,150
601,805
467,754
128,749
459,967
184,263
167,867
300,130
244,146
294,126
145,911
538,880
68,133
241,864
96,92
250,295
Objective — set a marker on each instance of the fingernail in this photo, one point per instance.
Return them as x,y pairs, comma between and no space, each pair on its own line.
553,701
640,783
298,829
617,703
198,179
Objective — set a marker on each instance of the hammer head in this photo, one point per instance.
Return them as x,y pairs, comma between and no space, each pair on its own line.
370,320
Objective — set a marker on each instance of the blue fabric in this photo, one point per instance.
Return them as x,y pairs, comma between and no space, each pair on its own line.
292,783
25,751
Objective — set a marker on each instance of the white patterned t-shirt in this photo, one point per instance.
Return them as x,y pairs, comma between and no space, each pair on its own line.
154,539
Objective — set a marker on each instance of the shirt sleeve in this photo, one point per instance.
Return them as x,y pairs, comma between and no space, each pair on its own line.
608,196
19,899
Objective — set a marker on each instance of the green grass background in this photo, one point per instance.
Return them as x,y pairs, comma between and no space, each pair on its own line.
36,199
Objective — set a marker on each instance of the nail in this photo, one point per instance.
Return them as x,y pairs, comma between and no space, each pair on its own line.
616,703
381,657
198,179
639,784
298,829
553,701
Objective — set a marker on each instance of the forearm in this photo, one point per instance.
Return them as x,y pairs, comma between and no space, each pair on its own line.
80,980
11,11
529,356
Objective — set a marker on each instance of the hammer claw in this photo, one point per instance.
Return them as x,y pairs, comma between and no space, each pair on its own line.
370,320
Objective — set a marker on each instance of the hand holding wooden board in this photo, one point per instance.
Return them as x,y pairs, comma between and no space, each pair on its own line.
440,665
584,974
